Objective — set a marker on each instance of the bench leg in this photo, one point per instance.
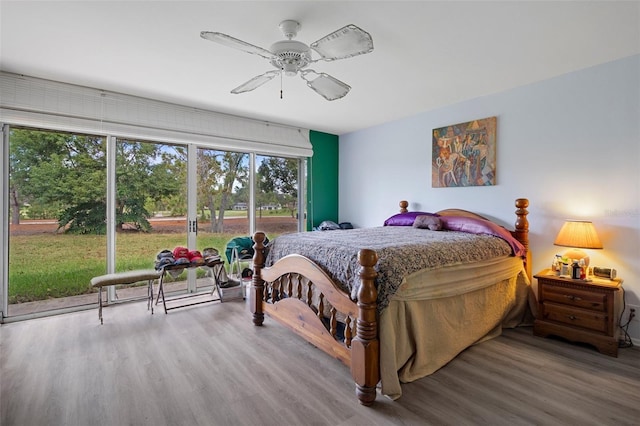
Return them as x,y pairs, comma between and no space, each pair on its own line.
100,305
150,296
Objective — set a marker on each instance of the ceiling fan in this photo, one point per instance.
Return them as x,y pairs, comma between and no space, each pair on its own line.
292,57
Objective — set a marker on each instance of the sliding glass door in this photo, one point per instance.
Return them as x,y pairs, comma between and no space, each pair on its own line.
223,196
56,211
150,207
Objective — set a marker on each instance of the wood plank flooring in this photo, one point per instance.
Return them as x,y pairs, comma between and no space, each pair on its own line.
193,367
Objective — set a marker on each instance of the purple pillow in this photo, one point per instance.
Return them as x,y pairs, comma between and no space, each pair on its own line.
405,219
481,226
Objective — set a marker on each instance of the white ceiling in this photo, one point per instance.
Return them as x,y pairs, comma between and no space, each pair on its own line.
427,54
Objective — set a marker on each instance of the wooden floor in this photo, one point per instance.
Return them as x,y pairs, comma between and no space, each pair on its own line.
194,367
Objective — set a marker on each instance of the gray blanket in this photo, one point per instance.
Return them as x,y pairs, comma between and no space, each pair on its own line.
401,250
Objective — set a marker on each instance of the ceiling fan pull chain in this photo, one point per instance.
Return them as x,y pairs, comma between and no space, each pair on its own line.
281,84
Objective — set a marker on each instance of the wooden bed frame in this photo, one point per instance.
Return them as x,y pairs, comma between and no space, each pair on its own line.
297,276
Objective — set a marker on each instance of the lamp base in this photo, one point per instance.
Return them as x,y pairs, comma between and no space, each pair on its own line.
577,254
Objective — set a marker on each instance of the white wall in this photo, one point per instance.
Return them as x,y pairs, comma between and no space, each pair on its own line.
571,145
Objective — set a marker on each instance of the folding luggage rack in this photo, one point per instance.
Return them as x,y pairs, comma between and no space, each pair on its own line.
215,271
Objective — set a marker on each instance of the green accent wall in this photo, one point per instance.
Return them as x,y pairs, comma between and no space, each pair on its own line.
322,179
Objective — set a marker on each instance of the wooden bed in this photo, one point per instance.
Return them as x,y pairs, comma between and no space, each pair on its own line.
295,292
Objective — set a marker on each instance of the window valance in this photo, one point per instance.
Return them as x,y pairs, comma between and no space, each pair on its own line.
34,102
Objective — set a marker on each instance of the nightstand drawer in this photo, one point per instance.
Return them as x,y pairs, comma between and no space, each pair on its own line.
574,297
591,320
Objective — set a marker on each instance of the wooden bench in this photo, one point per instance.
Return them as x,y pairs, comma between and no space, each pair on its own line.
129,277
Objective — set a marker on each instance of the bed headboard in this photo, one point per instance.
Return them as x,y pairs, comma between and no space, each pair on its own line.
460,212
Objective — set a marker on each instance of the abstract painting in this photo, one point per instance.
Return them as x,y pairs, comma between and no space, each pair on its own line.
464,154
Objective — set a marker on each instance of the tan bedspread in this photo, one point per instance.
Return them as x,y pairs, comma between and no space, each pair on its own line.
425,326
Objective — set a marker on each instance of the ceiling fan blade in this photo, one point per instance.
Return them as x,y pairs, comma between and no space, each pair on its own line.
344,43
326,86
255,82
229,41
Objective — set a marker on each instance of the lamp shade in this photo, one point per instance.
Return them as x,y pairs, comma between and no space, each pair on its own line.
578,234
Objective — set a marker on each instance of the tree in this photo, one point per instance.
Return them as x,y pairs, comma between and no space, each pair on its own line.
280,176
219,174
67,173
147,171
209,171
28,150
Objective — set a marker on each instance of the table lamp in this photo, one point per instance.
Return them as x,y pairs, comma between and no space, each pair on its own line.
578,234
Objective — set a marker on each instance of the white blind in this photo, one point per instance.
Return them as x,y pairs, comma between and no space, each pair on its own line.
33,102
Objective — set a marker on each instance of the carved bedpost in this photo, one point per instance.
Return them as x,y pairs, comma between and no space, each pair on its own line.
365,351
522,229
257,284
403,206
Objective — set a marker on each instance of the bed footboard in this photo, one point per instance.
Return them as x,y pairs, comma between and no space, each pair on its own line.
284,291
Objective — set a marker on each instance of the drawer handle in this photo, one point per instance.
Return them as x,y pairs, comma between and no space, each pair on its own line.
572,297
572,317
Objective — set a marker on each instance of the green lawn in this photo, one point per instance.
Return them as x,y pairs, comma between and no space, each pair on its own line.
58,265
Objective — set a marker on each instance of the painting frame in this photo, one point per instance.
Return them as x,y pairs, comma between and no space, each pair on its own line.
464,154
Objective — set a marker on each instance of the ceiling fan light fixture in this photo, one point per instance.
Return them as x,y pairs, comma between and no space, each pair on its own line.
290,70
290,56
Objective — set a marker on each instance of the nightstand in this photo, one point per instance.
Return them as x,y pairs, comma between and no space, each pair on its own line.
579,311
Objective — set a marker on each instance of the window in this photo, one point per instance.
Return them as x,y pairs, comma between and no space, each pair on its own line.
59,211
57,185
104,190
